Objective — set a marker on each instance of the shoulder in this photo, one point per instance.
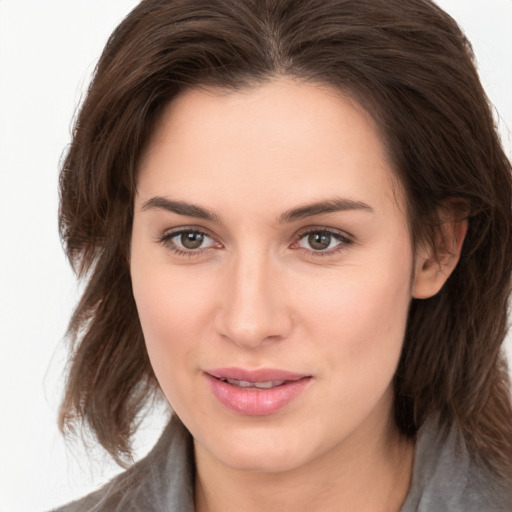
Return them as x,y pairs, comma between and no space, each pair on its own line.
161,481
446,478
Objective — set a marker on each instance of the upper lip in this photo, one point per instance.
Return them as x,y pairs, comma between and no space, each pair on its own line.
260,375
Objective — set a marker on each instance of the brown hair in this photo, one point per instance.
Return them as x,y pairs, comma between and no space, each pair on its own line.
409,65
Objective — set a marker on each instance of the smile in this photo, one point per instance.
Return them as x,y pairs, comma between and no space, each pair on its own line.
256,393
258,385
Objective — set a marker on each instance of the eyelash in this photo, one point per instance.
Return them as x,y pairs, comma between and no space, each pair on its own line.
344,240
166,241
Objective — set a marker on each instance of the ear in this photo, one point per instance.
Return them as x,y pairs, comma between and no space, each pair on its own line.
434,264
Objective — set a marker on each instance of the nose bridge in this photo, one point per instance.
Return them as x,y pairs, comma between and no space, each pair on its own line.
254,308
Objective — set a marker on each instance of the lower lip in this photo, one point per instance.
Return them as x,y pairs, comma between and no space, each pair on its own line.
256,402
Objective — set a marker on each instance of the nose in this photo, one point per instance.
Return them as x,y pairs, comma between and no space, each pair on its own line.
254,309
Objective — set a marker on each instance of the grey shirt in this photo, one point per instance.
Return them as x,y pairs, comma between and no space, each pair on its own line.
445,479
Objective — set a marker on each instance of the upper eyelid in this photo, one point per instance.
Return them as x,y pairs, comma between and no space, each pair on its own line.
165,239
302,231
170,232
324,229
344,238
343,235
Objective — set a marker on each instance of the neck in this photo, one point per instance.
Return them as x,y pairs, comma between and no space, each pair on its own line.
355,476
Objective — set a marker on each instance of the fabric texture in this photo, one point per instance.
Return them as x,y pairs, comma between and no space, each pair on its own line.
163,481
445,479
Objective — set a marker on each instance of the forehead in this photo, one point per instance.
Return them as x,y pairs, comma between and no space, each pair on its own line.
283,142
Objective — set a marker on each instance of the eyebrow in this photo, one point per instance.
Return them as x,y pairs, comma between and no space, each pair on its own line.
323,207
301,212
180,207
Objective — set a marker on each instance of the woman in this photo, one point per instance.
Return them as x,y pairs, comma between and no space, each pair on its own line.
294,220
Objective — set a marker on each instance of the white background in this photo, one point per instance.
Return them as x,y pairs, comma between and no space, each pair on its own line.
47,51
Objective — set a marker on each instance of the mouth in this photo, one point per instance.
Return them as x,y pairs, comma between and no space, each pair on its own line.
256,392
256,385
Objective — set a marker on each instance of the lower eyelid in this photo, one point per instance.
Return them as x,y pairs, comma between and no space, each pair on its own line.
166,239
341,237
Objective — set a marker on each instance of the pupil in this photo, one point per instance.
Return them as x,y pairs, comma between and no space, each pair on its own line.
319,241
192,240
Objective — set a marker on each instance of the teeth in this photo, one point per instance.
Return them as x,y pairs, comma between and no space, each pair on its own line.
260,385
269,384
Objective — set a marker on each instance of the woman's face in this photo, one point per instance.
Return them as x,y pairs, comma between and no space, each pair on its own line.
272,270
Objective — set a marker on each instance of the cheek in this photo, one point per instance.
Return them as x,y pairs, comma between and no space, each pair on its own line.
358,330
167,296
172,312
167,303
171,307
170,322
360,319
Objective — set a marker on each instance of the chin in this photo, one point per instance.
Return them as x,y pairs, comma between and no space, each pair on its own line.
262,462
260,451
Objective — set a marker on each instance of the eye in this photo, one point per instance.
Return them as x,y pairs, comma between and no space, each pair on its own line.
190,239
323,240
187,241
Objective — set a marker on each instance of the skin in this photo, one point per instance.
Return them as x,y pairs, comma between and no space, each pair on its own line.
257,294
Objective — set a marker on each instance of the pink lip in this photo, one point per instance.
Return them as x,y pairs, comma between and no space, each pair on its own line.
250,400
